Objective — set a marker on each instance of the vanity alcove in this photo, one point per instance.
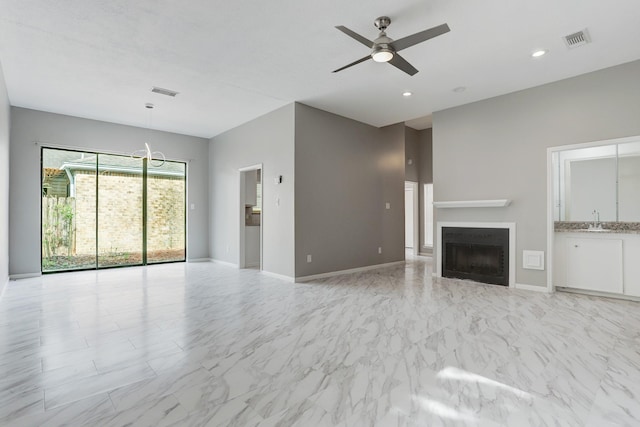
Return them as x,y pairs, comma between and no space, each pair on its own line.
596,217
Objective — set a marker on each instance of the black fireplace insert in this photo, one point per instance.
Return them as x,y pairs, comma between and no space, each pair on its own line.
479,254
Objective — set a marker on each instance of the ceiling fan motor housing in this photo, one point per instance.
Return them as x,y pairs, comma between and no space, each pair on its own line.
382,50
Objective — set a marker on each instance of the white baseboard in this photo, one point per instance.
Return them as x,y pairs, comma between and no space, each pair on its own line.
597,294
199,260
278,276
228,264
349,271
521,286
533,288
24,276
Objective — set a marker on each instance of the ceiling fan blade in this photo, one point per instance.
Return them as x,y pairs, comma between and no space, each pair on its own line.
353,63
420,37
402,64
368,43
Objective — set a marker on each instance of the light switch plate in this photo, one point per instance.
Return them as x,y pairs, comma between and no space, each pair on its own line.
533,260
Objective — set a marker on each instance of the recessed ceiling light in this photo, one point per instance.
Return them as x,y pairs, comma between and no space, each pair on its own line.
538,53
407,94
459,89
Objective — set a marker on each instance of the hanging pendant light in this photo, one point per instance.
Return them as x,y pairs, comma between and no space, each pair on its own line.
154,158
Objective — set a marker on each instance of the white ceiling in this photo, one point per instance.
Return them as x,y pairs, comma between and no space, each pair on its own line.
232,61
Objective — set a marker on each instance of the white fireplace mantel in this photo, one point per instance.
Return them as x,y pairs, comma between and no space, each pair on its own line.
498,203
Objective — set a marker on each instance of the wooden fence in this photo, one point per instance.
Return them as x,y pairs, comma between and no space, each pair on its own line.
58,226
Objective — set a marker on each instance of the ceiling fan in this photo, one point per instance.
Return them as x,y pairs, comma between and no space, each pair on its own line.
385,49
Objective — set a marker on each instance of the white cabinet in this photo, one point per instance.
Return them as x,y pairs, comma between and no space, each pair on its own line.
631,261
597,261
594,264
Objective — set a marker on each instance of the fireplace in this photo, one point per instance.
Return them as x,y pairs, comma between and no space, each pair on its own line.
479,254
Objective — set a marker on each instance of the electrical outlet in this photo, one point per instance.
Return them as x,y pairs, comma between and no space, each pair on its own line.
227,248
380,250
387,205
308,258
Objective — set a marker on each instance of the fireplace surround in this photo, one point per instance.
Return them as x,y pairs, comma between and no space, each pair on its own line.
479,251
479,254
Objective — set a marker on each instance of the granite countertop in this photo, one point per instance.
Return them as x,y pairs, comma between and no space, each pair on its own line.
607,227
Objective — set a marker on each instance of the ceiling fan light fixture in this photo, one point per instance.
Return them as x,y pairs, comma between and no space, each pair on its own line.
385,49
382,54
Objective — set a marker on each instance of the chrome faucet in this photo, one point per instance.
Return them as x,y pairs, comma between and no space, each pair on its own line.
597,225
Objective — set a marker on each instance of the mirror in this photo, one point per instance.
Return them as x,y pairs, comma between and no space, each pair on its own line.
629,182
597,183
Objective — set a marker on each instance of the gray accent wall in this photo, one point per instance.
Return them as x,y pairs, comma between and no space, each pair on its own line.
411,154
268,140
345,173
4,182
497,148
60,131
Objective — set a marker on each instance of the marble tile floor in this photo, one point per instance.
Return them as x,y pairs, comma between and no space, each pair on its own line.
207,345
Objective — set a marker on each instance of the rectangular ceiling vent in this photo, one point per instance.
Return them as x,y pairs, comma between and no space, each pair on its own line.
577,39
161,91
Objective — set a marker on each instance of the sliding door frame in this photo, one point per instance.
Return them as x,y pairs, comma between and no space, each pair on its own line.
144,212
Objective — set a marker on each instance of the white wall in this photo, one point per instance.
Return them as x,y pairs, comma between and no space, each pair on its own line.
345,173
496,148
4,182
30,126
268,140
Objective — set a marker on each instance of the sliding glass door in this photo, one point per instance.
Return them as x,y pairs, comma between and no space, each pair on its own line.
165,212
104,210
120,186
68,224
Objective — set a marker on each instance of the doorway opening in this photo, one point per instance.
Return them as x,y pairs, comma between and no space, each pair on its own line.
251,217
428,217
411,227
105,210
